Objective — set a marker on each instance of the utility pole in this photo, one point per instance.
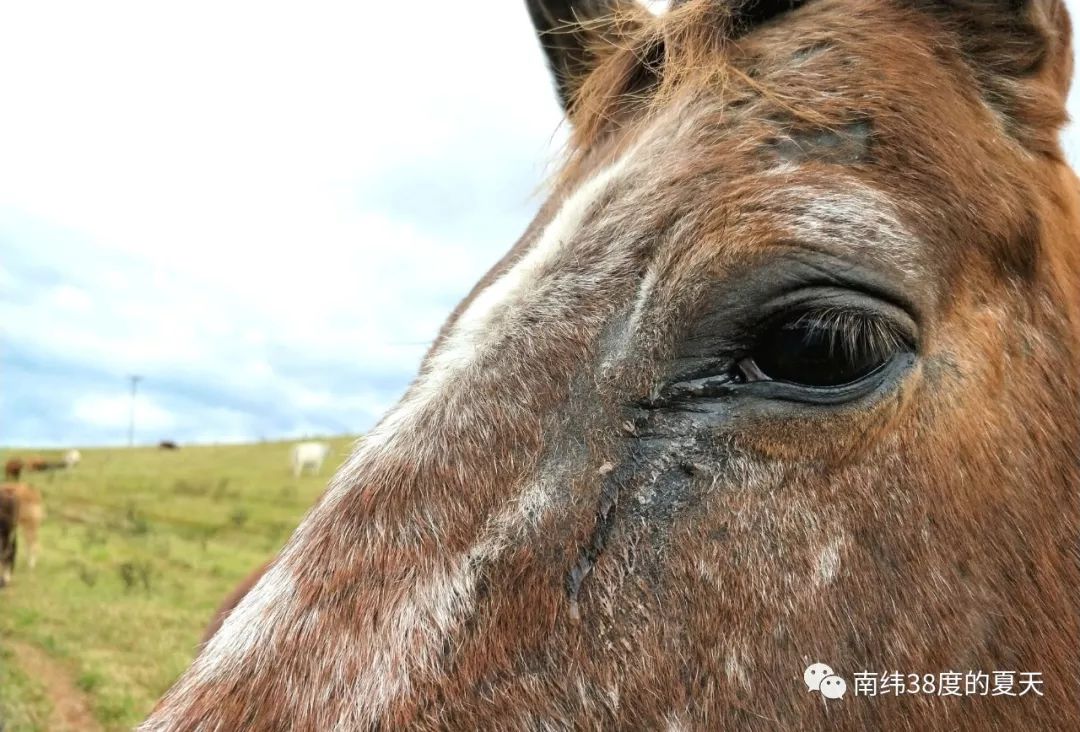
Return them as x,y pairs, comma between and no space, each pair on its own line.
135,379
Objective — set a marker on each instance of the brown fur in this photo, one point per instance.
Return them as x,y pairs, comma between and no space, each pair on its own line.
553,542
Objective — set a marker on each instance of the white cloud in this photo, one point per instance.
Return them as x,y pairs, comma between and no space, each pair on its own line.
114,412
68,298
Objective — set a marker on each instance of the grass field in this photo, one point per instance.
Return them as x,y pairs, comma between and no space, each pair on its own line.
138,548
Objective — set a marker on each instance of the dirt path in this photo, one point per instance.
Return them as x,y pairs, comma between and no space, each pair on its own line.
70,707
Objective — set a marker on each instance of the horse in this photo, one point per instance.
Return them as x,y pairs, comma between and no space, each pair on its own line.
31,512
784,378
307,455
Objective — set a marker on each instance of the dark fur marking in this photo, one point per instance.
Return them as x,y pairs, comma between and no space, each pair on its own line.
747,14
848,145
1020,256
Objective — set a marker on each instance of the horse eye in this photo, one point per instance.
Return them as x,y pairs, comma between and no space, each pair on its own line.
821,351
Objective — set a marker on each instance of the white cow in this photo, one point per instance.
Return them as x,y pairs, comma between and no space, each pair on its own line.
72,458
309,454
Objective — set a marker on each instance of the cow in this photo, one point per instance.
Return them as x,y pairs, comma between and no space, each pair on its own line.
13,468
168,445
30,511
72,458
9,517
39,464
309,455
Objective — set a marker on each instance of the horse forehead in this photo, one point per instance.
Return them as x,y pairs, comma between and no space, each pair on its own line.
809,162
795,183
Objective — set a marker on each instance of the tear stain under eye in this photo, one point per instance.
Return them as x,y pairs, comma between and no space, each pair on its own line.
709,386
594,547
671,468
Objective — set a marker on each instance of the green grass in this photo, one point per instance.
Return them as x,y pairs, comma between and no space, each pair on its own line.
23,705
139,546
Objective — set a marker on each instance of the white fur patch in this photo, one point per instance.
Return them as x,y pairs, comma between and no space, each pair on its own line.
618,352
674,722
828,564
856,217
735,669
434,610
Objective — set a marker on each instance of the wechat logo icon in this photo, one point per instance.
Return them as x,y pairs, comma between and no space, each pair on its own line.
821,677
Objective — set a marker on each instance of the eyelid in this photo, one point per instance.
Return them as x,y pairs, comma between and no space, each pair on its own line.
852,303
830,396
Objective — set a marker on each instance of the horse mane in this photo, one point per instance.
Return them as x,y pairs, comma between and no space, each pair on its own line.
640,61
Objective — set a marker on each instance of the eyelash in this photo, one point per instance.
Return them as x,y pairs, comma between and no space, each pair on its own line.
852,332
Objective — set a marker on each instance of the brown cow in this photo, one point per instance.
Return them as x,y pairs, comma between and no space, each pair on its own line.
30,513
13,468
40,465
9,517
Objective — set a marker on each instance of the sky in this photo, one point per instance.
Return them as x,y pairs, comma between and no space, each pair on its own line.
265,210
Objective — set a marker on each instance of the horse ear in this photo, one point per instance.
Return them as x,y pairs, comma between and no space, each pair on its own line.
570,32
1020,52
